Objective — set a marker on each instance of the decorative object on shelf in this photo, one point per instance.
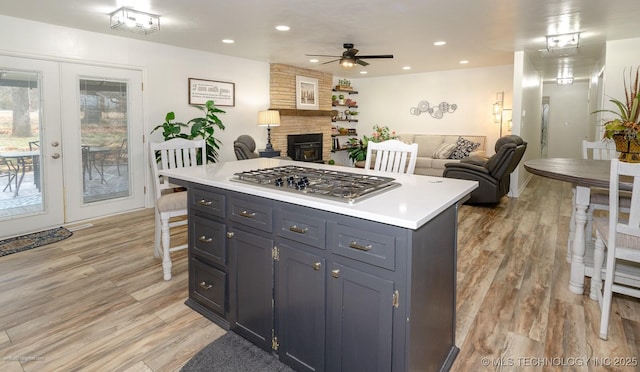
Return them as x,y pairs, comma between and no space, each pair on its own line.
357,148
269,118
341,99
435,111
344,84
306,93
201,91
135,21
203,127
625,128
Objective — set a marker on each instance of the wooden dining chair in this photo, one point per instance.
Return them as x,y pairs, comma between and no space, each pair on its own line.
171,154
392,156
620,234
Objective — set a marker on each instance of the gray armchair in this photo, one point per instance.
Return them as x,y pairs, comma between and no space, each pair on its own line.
493,174
245,147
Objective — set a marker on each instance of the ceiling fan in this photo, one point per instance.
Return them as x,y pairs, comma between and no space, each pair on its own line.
349,57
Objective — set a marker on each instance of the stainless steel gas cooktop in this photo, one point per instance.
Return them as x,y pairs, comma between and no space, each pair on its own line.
330,184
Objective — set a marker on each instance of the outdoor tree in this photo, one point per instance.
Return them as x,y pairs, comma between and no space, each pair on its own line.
21,126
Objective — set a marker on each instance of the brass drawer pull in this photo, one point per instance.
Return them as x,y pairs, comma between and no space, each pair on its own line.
298,230
230,235
317,266
206,203
248,214
204,285
335,273
361,247
204,239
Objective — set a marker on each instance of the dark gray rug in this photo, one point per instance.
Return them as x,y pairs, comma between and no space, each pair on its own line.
232,353
34,240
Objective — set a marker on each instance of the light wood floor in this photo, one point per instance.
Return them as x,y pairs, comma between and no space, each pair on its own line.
97,301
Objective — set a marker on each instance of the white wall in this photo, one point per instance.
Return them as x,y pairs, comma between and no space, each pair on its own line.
388,100
621,56
569,118
166,70
527,114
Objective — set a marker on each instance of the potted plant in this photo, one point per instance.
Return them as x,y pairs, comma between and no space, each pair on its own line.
200,127
341,99
625,128
358,147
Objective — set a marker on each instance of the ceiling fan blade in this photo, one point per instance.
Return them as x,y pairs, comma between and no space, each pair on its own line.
320,55
361,62
324,63
378,56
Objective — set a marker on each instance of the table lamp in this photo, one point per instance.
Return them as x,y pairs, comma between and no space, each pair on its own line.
269,118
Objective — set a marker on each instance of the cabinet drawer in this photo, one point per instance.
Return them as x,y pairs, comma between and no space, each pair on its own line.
297,225
205,200
208,285
208,240
362,245
251,211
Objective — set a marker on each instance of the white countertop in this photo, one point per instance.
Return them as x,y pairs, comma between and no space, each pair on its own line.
418,200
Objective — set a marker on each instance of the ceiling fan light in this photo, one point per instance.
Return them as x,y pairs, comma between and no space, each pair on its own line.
347,62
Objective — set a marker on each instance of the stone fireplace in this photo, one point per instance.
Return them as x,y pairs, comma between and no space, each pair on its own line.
300,122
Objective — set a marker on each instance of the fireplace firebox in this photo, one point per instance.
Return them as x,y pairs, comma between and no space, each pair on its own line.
305,147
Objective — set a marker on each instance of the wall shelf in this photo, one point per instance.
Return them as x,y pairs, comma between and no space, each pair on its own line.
345,91
295,112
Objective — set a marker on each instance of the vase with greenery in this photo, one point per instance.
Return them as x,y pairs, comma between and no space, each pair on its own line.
624,129
200,127
358,147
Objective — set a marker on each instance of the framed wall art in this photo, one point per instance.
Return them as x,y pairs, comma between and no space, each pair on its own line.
306,93
220,92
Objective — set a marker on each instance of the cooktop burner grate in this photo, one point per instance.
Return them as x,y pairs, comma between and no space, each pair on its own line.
330,184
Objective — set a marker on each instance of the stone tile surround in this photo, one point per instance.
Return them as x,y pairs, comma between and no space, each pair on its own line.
283,97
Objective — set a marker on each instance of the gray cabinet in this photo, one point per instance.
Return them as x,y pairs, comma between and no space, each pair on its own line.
300,304
251,286
326,292
360,319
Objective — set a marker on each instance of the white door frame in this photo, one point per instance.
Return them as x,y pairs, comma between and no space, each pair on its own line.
76,208
52,213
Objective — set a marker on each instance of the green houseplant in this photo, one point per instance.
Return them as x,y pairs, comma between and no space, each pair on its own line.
624,129
358,147
200,127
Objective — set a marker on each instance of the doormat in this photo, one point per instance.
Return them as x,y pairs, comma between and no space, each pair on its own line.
33,240
232,353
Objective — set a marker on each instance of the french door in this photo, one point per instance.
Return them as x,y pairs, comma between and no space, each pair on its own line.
70,143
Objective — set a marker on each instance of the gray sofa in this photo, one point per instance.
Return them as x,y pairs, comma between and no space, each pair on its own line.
426,164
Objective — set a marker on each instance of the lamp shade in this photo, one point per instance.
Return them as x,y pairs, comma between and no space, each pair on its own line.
269,118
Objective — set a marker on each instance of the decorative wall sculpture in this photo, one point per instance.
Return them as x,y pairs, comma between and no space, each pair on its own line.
434,111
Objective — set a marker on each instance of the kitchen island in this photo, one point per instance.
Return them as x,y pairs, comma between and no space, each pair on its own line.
326,284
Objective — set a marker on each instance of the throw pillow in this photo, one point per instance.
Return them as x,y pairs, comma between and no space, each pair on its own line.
463,148
444,151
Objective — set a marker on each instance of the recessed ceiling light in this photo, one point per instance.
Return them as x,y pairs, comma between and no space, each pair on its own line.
464,62
314,60
283,28
406,68
228,41
439,43
363,72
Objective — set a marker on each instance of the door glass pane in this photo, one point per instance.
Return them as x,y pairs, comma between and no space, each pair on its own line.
105,150
20,119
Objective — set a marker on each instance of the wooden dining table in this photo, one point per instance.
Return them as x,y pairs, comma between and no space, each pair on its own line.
583,174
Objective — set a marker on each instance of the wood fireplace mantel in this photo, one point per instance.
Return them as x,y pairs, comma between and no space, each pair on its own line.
296,112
